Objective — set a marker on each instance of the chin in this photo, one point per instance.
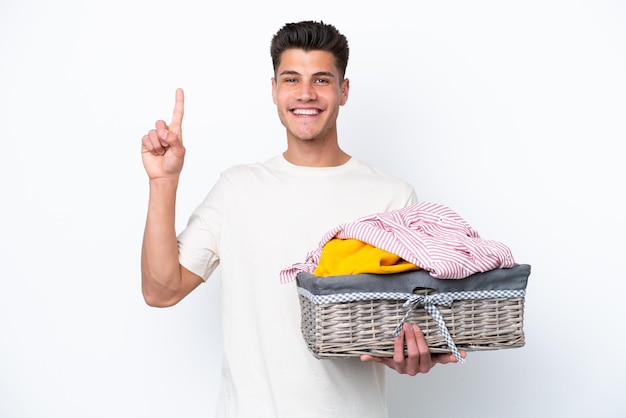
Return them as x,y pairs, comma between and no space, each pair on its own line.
302,136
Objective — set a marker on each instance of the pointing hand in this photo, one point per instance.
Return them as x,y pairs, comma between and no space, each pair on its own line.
162,149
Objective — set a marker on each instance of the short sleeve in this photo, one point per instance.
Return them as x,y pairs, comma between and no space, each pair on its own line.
199,242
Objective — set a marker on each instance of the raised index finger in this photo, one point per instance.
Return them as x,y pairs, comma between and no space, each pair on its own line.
179,111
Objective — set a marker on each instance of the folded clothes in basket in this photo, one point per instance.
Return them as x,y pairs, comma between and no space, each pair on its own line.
429,235
350,315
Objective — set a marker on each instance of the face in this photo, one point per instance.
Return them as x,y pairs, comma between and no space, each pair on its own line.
308,92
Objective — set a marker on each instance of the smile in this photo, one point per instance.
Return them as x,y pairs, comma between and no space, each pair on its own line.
305,112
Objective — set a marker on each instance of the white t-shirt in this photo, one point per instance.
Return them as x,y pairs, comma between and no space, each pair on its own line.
257,220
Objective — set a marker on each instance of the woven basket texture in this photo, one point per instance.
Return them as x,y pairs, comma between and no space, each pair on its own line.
349,329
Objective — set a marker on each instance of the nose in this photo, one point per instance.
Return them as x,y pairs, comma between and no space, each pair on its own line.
306,92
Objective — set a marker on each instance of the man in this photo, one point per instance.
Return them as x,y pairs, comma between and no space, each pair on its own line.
259,218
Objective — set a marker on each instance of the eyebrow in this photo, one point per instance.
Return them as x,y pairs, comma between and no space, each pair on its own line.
317,74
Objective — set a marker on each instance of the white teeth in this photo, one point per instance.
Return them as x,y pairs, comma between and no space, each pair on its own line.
305,112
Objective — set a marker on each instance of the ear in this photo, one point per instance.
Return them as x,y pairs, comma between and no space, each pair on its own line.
345,89
274,90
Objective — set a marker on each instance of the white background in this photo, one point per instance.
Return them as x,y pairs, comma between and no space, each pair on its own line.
512,113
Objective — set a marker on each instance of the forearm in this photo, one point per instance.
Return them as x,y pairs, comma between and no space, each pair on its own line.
160,268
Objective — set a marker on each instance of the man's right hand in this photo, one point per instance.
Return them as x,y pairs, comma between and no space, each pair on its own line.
162,149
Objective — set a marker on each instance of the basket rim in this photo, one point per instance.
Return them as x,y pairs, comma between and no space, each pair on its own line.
443,298
513,278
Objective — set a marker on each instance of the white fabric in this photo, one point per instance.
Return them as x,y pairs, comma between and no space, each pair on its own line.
257,219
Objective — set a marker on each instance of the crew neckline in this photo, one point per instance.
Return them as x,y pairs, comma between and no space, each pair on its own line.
282,162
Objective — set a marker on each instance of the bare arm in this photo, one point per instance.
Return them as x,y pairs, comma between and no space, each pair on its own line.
164,281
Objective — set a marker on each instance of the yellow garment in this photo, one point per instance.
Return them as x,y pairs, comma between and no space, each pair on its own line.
351,256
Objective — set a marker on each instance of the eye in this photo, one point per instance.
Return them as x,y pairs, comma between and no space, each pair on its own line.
322,81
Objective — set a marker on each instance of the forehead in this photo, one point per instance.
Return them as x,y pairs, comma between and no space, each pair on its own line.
307,62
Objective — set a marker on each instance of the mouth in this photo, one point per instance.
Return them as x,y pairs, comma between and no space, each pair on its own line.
306,112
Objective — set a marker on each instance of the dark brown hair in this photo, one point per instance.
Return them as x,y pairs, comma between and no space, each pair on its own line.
311,36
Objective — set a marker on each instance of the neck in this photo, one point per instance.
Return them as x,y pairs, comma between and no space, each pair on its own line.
315,155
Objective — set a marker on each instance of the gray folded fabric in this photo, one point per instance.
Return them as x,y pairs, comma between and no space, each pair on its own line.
514,278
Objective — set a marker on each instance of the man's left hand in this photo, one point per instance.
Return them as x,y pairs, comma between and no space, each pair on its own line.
418,358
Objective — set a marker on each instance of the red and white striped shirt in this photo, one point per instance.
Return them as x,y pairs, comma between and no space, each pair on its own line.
429,235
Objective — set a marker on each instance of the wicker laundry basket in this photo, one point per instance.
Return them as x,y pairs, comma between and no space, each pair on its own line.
346,316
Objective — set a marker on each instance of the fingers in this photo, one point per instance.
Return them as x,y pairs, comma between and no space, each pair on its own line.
171,136
162,148
179,111
418,358
425,359
398,348
161,131
447,357
152,144
162,137
387,361
367,357
155,141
